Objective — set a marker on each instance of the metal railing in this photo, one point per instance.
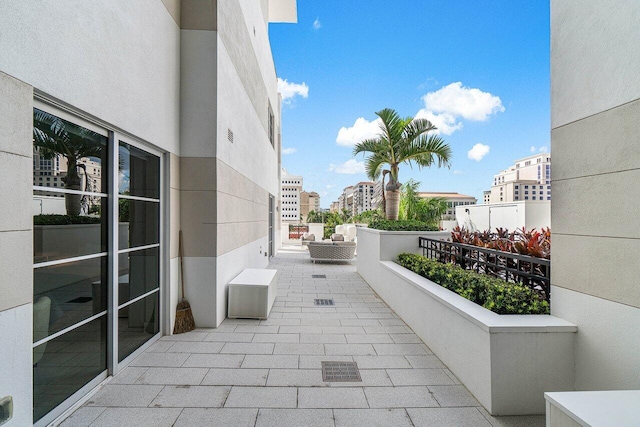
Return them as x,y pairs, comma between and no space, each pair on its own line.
296,231
510,267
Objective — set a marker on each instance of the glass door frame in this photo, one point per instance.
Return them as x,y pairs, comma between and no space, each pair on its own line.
115,135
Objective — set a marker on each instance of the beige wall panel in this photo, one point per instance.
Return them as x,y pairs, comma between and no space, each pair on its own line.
232,209
236,38
601,205
598,266
174,172
197,219
174,221
16,174
594,57
16,116
231,181
235,235
198,14
173,7
16,268
604,143
198,173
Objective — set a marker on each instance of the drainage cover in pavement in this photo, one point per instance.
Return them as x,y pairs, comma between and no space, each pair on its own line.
318,301
340,372
318,276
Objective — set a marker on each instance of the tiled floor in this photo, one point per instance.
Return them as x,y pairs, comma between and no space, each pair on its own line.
268,373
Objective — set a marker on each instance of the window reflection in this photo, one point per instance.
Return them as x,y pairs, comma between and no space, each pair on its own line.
76,291
138,273
137,323
139,223
66,363
138,172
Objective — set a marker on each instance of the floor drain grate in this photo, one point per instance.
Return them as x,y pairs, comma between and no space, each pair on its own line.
323,302
340,372
318,276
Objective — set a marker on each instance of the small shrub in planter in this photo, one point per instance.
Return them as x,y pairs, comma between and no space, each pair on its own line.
64,219
401,225
491,293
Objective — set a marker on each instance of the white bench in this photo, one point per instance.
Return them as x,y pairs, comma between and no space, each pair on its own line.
618,408
252,293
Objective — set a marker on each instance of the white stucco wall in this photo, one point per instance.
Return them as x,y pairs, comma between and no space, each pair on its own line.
16,372
595,97
118,61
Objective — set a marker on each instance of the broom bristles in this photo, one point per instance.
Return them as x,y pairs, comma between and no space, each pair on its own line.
184,318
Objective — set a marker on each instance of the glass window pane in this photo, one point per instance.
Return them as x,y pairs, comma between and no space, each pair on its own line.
137,323
65,364
138,172
71,155
74,291
139,223
138,273
57,235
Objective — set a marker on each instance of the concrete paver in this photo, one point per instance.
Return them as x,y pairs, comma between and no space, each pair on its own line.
250,372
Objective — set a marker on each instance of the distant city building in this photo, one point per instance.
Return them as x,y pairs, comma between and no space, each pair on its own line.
452,199
50,172
357,198
528,179
291,187
309,202
486,197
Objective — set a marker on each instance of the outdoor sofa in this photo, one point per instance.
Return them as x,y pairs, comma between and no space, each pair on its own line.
332,251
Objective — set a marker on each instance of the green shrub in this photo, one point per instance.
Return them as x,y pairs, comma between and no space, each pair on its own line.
492,293
389,225
64,219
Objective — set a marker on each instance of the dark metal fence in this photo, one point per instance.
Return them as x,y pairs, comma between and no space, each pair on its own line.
511,267
296,231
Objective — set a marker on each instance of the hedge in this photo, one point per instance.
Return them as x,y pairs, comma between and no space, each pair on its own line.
64,219
402,225
492,293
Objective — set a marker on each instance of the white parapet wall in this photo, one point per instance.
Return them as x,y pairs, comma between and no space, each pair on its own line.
506,361
528,214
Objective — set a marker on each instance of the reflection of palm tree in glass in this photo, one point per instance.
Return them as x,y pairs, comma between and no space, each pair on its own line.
53,136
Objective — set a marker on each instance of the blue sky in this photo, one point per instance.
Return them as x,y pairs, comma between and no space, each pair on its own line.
479,70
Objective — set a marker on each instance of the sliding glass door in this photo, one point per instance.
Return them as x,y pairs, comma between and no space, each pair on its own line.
97,250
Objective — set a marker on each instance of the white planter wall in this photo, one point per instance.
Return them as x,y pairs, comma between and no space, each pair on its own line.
506,361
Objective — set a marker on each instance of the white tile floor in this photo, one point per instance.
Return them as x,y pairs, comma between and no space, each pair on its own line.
268,372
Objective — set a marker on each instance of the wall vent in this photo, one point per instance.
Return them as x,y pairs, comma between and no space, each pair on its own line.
230,135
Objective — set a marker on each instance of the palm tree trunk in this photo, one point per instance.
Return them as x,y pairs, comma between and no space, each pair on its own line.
392,204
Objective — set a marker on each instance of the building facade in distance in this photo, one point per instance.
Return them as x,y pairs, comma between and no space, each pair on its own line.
528,178
452,199
309,201
291,187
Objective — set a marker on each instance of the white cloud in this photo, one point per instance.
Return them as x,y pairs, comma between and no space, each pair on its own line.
290,90
445,122
350,167
316,24
361,129
458,172
448,104
541,149
289,150
478,151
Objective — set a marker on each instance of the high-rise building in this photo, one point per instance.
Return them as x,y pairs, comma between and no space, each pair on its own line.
528,178
363,197
309,201
291,187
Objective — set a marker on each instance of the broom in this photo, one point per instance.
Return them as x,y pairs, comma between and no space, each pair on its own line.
184,317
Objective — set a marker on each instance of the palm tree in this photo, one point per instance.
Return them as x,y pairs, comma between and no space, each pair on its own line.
401,141
414,207
53,136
